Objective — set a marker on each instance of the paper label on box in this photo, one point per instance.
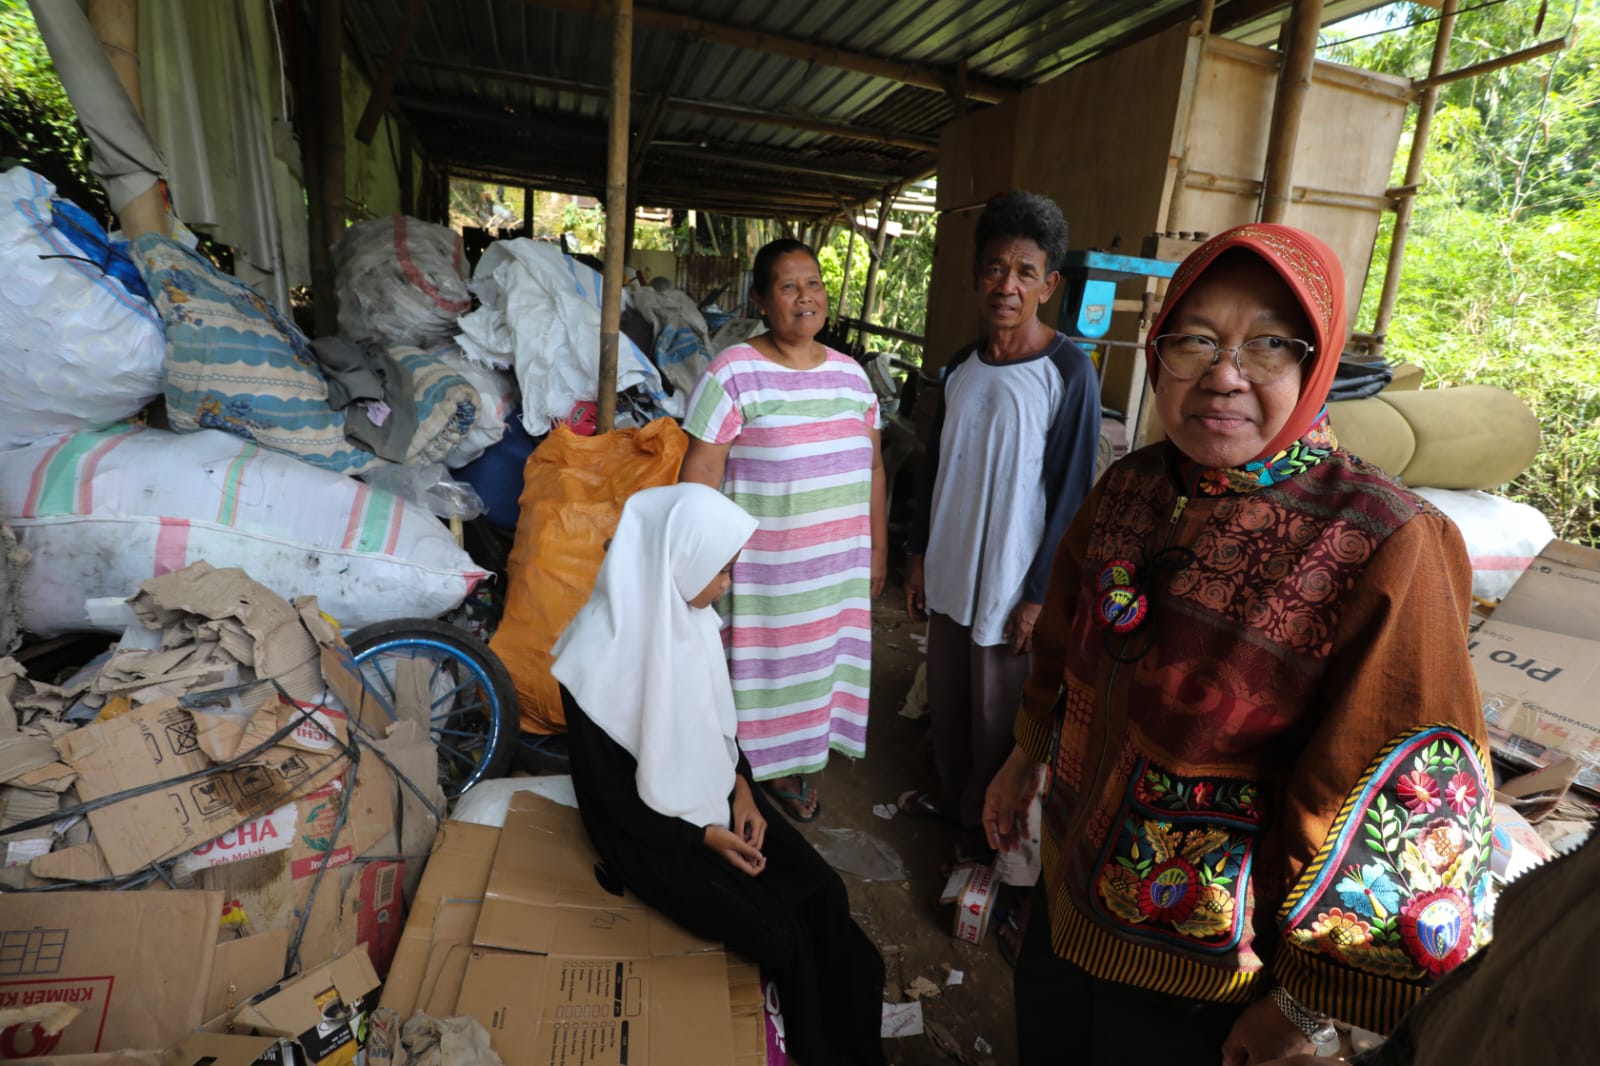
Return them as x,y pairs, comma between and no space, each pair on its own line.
40,951
22,852
322,731
273,831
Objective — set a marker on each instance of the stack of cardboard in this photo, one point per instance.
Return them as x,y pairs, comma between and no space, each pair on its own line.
235,763
1537,659
511,927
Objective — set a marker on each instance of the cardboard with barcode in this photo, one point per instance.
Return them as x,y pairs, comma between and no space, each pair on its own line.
1537,661
564,972
133,968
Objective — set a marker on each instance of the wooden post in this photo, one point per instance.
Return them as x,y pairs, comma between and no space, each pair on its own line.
329,193
879,239
1199,34
1294,85
1408,198
383,86
616,210
116,23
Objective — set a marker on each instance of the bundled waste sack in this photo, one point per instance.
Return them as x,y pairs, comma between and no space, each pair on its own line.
402,404
80,343
236,364
682,345
400,281
102,511
573,491
540,315
497,401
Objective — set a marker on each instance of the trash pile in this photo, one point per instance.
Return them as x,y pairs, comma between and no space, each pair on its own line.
216,802
250,455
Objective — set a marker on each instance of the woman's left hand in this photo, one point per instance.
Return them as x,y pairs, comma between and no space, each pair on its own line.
880,568
747,820
1261,1034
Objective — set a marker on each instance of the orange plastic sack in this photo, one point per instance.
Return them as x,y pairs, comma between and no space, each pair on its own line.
572,496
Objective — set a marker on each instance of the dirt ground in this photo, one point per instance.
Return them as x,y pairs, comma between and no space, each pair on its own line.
905,918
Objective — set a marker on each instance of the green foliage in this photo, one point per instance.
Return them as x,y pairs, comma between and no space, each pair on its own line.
38,126
1501,282
901,299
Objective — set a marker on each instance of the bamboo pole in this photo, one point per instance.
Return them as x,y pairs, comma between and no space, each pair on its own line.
617,204
1294,85
878,241
849,259
1408,196
1544,48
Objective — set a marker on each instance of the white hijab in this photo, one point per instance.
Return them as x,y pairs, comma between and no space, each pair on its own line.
648,668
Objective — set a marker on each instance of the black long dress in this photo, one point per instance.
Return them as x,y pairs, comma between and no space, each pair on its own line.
792,919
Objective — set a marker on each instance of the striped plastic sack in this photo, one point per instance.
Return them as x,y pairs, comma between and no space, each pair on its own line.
235,363
78,347
103,511
400,281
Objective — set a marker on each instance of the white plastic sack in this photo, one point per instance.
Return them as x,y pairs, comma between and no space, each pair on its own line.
1503,537
103,511
540,313
77,350
497,399
400,281
683,347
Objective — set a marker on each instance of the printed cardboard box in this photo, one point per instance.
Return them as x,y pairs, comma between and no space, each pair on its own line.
1537,660
324,1010
161,742
135,965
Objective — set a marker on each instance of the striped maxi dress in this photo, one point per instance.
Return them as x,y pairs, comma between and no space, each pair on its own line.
798,621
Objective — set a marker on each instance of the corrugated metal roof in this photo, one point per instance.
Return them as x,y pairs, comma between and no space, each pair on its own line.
517,88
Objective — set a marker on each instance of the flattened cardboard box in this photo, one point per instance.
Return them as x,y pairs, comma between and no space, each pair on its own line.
542,895
1537,661
137,965
567,973
444,914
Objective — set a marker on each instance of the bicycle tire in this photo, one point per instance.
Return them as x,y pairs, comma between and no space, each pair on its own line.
484,753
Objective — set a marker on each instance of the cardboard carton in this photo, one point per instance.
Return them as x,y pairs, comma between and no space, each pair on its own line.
324,1010
564,973
136,965
1537,660
444,914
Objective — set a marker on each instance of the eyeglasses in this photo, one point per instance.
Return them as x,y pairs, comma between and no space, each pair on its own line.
1261,359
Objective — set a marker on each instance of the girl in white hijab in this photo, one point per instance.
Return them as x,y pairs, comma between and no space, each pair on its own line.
665,793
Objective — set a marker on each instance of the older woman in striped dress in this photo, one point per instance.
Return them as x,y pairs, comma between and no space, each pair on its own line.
788,429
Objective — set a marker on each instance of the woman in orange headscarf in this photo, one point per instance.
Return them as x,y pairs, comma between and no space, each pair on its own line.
1268,790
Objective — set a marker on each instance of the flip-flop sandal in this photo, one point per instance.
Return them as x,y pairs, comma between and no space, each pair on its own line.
919,803
792,803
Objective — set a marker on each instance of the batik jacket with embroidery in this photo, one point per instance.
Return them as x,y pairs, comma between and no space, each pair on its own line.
1282,773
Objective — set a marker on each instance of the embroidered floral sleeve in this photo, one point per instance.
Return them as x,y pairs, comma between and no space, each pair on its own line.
1396,895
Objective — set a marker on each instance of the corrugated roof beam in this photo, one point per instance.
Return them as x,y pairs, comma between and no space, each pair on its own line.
755,40
845,130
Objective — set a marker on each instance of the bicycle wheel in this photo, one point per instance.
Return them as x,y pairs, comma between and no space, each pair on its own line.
473,715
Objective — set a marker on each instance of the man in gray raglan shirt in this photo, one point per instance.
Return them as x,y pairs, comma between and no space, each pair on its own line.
1010,458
